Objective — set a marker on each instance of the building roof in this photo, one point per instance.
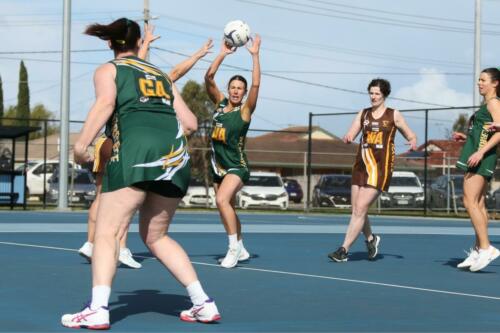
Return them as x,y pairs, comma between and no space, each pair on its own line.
288,149
12,132
439,152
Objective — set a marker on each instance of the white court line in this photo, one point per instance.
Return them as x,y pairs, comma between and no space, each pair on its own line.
292,274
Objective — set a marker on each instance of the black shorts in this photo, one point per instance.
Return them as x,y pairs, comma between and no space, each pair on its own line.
164,188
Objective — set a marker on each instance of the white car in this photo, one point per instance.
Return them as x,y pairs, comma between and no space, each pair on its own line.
35,175
263,189
405,190
196,195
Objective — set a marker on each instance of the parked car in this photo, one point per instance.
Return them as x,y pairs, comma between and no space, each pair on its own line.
35,171
333,191
405,190
293,189
439,192
264,189
81,187
196,195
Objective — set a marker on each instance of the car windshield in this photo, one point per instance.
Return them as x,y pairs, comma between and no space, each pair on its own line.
267,181
344,182
80,178
405,181
30,165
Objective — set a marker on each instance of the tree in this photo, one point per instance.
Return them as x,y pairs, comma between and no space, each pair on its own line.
460,125
1,100
10,113
23,96
41,112
198,101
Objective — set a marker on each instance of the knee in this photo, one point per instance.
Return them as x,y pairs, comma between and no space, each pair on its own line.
150,238
222,201
469,202
359,211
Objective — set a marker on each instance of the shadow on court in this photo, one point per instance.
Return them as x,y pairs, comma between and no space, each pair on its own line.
360,256
143,301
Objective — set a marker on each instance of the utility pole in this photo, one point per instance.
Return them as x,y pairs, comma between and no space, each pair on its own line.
147,17
64,130
477,51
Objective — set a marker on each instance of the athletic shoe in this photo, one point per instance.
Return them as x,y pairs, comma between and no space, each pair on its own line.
372,247
231,258
126,258
340,255
88,318
205,313
86,251
471,258
484,258
244,255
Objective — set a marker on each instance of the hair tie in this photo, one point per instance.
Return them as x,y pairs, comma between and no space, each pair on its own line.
120,41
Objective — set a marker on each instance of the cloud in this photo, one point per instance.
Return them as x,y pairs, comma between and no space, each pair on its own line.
432,88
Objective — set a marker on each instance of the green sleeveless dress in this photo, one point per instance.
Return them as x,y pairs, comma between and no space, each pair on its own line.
149,146
477,137
228,144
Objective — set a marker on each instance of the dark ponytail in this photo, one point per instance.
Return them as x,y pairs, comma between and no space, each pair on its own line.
123,34
494,74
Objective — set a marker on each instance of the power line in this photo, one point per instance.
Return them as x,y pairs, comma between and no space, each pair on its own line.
50,60
426,17
52,51
304,81
356,17
286,71
361,53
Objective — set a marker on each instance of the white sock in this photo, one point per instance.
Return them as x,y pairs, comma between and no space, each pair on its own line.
100,296
233,240
240,243
196,293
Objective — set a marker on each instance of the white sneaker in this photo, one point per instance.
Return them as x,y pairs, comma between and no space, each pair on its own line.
205,313
484,258
231,258
244,255
126,258
88,318
86,250
471,258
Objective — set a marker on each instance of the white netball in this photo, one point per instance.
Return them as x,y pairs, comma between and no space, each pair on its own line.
236,33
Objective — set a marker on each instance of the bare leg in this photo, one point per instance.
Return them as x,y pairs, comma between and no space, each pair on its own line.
115,212
365,196
474,187
155,216
93,210
225,193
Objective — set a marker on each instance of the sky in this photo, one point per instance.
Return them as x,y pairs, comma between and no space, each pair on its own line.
317,55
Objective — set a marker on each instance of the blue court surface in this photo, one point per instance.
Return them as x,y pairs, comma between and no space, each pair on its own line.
289,284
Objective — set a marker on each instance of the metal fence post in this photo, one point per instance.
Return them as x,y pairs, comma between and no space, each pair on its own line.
425,159
309,163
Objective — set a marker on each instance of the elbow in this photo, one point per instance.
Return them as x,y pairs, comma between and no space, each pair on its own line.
190,127
209,77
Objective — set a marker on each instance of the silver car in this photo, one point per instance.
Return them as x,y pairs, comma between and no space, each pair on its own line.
81,187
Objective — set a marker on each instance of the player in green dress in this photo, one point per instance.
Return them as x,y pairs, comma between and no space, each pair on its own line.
478,159
148,170
229,162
